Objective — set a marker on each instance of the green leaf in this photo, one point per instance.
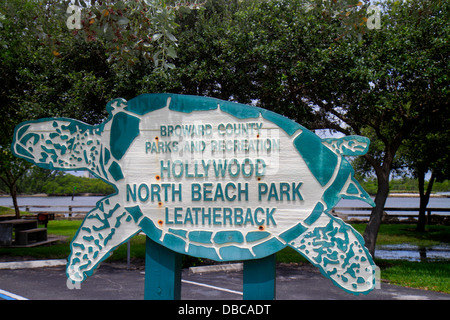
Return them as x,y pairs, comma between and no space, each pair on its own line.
171,52
171,37
170,65
123,21
156,36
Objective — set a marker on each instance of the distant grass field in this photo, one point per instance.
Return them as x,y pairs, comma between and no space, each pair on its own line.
434,275
4,211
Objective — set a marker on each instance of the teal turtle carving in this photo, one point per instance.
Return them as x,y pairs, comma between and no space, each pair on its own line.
208,178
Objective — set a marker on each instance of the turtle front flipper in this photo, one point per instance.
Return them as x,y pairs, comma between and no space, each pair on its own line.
97,237
339,252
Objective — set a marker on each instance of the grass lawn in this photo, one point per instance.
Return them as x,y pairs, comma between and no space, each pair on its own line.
433,275
4,211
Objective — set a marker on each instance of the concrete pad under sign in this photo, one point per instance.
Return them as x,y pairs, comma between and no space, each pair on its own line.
33,264
231,267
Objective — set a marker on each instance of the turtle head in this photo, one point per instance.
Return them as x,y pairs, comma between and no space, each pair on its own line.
49,143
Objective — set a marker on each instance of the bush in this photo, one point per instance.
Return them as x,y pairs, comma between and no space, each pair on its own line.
68,184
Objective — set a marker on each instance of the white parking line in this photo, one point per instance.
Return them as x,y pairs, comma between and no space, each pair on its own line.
10,296
212,287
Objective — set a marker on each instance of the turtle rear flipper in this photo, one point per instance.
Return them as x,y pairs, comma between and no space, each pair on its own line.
98,236
339,252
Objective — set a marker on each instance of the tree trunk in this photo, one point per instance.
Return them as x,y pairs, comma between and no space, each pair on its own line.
13,191
424,199
11,182
382,171
371,232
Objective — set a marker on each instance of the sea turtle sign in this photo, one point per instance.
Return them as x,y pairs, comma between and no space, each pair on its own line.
208,178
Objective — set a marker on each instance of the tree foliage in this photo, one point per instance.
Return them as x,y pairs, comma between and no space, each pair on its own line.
320,69
324,64
69,184
128,31
397,77
50,70
427,151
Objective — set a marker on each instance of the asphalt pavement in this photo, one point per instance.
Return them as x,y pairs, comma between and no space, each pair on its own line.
114,281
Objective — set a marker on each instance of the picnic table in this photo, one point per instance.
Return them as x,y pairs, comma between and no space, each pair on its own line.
25,231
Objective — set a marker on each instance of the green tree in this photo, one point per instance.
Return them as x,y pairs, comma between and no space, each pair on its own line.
386,83
33,180
14,54
428,153
324,71
128,31
68,59
408,59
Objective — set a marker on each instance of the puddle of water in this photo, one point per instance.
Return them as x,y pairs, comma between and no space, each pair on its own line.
413,253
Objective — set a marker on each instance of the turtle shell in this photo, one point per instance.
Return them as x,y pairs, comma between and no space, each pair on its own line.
221,180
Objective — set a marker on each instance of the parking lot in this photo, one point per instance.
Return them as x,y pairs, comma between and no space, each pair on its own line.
114,281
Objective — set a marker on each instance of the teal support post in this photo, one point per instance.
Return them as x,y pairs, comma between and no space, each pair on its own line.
162,273
259,278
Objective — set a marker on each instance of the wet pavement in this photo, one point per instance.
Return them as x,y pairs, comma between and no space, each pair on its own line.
411,252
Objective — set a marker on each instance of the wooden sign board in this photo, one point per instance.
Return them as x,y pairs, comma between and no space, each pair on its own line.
208,178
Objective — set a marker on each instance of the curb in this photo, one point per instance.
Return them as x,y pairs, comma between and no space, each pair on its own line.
216,268
33,264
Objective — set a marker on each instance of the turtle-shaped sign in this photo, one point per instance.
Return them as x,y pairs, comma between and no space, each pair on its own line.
208,178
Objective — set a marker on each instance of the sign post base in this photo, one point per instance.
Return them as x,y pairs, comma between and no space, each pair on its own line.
259,278
162,272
